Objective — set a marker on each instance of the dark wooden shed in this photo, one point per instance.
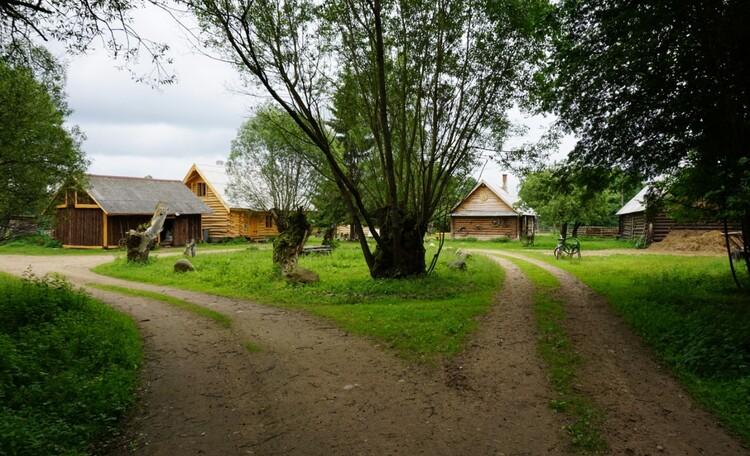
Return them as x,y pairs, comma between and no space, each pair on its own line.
99,213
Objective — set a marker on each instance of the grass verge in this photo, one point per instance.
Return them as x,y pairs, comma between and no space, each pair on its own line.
424,319
218,317
68,368
585,419
691,314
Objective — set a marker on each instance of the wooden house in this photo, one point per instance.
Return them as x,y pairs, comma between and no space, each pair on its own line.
100,213
634,222
487,212
230,218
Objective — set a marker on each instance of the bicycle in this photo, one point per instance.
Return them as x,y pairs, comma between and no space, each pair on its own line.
568,246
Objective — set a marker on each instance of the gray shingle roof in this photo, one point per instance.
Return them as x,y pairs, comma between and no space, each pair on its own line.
133,195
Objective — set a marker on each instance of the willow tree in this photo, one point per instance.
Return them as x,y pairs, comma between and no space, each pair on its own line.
430,81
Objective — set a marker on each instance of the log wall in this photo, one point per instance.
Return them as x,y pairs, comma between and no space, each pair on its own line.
482,227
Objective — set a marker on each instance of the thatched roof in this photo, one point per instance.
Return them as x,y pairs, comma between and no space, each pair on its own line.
133,195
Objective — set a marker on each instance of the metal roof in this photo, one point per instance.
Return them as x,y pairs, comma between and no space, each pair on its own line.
134,195
636,203
216,176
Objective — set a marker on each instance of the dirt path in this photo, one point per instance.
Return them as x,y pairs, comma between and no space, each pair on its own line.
314,389
648,412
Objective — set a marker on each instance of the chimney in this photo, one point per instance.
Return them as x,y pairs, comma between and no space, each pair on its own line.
505,182
219,162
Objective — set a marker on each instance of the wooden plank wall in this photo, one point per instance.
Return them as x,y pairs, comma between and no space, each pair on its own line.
185,228
632,225
119,225
483,199
482,228
218,223
79,227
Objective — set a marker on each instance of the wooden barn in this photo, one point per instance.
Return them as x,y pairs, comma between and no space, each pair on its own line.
634,222
230,218
100,214
487,212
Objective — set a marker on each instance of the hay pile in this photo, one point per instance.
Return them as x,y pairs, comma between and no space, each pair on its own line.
691,241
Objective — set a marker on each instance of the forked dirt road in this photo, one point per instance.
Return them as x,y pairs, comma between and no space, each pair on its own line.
313,389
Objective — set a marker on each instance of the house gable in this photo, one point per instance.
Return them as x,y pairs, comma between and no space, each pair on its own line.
485,200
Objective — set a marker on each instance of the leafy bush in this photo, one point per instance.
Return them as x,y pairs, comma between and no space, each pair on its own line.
68,367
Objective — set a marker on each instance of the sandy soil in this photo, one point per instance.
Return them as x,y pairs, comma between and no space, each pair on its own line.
314,389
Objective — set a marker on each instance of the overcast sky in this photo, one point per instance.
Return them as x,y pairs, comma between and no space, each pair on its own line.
135,130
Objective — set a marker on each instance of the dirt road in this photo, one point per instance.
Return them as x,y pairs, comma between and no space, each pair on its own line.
314,389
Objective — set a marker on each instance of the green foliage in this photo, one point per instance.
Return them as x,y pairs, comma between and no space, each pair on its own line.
68,368
37,151
423,319
688,310
562,195
417,88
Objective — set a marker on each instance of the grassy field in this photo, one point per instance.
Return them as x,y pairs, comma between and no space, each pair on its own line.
424,319
68,368
692,315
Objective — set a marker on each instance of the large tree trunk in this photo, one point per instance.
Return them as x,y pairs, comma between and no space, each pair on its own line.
402,258
564,230
576,225
140,242
293,233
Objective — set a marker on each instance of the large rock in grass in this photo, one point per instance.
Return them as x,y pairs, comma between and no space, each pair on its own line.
458,264
301,275
462,254
183,265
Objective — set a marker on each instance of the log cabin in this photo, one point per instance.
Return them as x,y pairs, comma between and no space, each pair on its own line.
634,221
488,212
230,218
99,213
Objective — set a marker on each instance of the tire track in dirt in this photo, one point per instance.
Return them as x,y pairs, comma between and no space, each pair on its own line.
314,389
647,411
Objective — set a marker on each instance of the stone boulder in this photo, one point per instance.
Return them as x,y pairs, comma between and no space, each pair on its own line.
183,265
301,275
458,264
462,254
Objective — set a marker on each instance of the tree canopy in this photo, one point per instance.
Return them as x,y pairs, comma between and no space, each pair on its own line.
426,82
562,195
37,152
661,88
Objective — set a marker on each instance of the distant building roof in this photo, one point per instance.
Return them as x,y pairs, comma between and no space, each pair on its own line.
134,195
216,176
636,203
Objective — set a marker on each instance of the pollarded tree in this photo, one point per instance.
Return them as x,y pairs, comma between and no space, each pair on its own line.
428,78
37,152
268,170
661,88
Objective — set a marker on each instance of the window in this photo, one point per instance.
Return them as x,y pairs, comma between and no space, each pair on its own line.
269,221
201,189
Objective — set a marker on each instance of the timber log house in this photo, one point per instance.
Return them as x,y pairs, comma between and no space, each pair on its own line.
230,218
487,212
100,213
634,222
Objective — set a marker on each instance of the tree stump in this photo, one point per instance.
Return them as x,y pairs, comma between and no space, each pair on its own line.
140,242
190,249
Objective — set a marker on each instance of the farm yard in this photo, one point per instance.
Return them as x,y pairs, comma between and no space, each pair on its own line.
520,353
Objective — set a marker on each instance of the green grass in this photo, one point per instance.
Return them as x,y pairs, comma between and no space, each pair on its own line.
68,368
218,317
542,242
423,319
689,311
585,420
